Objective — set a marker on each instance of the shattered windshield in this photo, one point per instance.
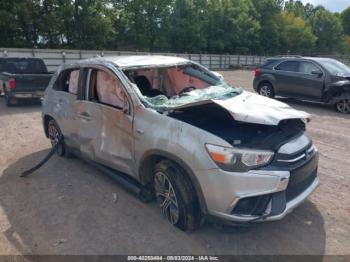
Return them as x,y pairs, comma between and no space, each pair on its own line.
164,88
218,92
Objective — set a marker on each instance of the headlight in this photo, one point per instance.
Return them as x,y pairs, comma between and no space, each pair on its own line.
239,160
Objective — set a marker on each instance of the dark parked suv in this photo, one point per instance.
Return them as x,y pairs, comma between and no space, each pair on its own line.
307,78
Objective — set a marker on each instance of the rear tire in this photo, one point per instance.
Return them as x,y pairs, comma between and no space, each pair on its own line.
266,89
55,133
9,100
176,196
343,106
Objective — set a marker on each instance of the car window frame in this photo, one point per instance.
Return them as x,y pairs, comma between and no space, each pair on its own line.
86,88
58,79
309,61
287,61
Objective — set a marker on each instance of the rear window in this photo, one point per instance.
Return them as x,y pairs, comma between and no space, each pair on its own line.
24,66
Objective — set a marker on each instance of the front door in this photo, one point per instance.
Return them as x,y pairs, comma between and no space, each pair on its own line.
105,121
309,84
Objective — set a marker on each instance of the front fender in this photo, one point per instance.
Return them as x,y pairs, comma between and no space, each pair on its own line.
337,91
184,166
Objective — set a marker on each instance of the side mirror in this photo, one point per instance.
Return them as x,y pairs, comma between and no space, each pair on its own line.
319,73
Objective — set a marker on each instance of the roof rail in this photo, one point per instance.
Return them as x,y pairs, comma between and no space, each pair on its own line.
295,56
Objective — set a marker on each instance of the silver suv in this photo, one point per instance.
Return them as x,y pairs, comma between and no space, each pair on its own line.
175,131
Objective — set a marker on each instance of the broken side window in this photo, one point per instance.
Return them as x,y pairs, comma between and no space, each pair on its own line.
67,81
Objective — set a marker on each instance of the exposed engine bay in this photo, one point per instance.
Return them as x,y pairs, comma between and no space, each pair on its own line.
216,120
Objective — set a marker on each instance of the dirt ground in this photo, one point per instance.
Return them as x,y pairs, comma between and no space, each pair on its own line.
68,207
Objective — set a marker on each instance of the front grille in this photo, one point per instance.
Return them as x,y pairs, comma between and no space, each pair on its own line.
302,166
301,178
296,158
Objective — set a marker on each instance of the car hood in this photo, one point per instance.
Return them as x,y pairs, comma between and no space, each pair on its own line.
253,108
340,79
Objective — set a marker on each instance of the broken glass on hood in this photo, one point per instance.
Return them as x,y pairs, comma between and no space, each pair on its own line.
218,92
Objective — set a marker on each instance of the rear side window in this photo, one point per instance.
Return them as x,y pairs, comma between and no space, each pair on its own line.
289,66
68,81
268,63
307,68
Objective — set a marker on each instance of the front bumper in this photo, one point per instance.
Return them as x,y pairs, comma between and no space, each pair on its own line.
276,191
290,206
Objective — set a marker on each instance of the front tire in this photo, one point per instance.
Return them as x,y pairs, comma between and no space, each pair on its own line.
176,196
266,89
343,106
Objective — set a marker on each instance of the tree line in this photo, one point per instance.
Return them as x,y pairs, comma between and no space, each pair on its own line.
190,26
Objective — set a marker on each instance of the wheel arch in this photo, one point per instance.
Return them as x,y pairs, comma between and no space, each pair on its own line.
334,92
152,157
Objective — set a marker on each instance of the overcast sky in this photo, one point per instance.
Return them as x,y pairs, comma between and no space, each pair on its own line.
332,5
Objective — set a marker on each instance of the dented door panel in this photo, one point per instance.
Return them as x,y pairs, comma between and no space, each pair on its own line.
63,109
105,135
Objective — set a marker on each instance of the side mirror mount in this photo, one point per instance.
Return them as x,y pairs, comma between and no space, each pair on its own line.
126,107
319,73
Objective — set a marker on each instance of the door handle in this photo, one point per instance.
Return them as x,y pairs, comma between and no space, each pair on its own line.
141,132
85,116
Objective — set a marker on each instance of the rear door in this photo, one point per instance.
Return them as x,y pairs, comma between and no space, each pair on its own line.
105,121
65,95
285,74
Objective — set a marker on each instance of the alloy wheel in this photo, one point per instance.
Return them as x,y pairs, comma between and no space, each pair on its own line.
265,91
343,106
54,136
166,197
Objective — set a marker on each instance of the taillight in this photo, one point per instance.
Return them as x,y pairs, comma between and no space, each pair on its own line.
257,72
12,83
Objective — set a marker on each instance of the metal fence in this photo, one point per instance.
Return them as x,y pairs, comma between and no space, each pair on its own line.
55,57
